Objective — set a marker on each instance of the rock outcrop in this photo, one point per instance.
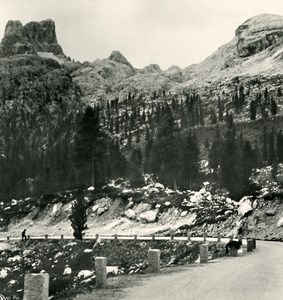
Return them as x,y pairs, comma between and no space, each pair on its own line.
259,33
31,38
119,58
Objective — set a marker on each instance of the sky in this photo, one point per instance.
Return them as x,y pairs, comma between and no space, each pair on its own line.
165,32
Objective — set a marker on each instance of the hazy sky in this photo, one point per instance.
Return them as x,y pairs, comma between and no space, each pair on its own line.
166,32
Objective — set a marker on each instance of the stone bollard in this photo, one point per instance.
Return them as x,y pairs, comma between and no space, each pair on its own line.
115,237
153,260
250,245
62,237
36,286
135,237
240,238
100,272
46,236
97,236
231,238
203,253
8,238
233,252
153,237
172,236
254,243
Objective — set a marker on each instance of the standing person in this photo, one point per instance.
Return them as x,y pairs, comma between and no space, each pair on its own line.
24,237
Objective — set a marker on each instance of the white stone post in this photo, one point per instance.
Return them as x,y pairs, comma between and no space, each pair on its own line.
36,286
203,253
100,272
153,260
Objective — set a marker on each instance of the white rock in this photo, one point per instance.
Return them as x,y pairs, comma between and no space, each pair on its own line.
87,250
58,255
3,273
255,204
130,214
229,200
158,205
112,269
11,282
85,273
184,213
91,188
280,222
14,258
245,207
67,271
167,203
159,186
100,211
95,208
142,207
148,216
14,202
54,210
26,252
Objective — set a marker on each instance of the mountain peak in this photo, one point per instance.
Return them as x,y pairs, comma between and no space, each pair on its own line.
33,37
119,58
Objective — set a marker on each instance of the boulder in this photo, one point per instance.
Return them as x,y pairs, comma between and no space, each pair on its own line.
100,211
184,213
67,271
148,216
142,207
280,222
95,208
245,206
85,273
130,214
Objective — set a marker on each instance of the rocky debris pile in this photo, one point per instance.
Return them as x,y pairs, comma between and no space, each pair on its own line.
31,38
149,203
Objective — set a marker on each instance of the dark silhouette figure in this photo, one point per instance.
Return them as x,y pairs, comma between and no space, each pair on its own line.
24,237
233,244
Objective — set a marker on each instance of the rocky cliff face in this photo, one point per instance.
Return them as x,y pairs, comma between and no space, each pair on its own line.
259,33
31,38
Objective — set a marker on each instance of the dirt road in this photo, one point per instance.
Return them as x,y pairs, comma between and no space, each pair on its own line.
257,275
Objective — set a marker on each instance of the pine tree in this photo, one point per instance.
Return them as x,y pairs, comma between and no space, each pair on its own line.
78,216
273,107
253,110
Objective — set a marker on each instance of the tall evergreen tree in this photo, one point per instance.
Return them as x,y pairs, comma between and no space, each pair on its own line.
78,216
